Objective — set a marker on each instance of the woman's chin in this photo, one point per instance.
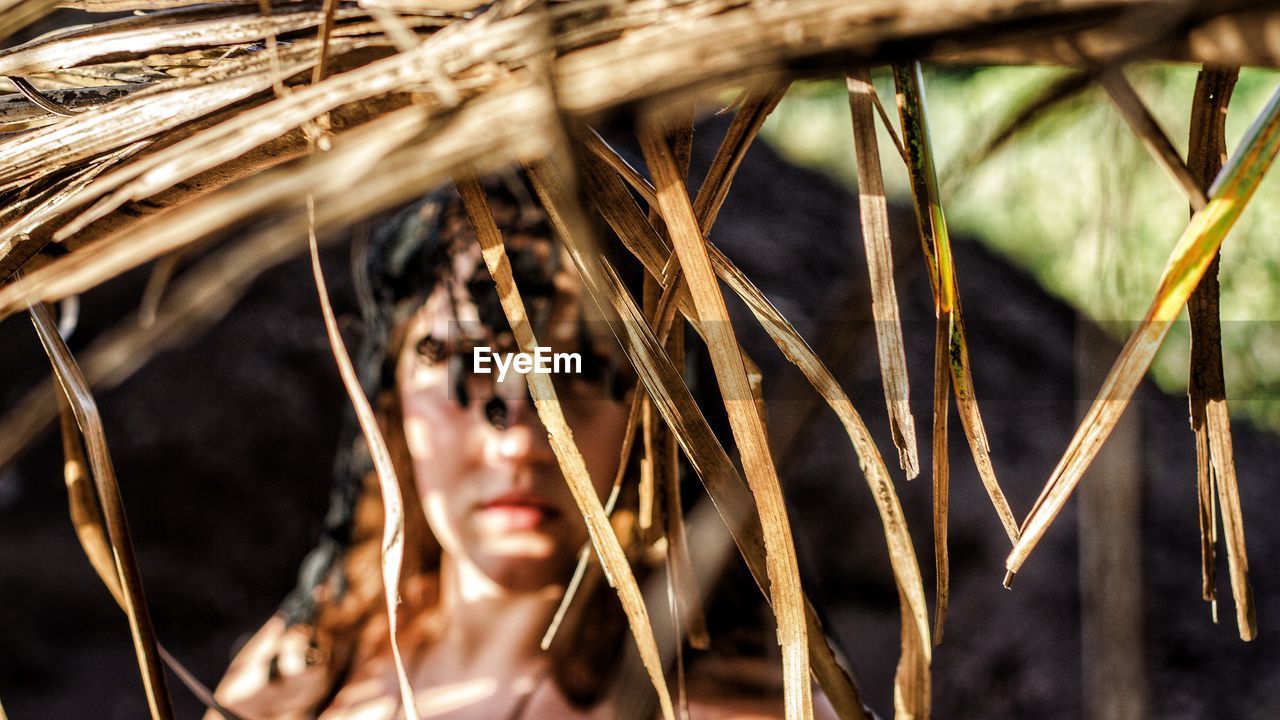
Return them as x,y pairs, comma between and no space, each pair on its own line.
522,561
518,546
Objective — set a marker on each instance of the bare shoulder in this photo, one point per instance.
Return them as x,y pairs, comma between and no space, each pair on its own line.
275,676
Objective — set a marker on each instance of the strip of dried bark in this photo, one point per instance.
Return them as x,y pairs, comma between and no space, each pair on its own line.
89,421
874,214
671,396
1206,386
937,250
1144,125
392,550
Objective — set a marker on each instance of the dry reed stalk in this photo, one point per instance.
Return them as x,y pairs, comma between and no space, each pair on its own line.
85,411
874,215
370,169
674,49
1187,263
937,250
18,14
744,419
392,549
710,462
1144,125
1206,387
642,241
91,531
608,548
941,477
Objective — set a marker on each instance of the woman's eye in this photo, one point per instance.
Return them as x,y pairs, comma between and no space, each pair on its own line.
430,350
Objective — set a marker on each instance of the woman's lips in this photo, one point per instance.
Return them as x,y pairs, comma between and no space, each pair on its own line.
516,512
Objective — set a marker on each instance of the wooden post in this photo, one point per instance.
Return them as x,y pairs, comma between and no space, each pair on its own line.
1114,676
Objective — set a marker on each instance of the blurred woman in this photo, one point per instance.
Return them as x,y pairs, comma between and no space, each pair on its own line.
488,555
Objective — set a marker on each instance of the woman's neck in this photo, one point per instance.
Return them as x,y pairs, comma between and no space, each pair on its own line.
481,624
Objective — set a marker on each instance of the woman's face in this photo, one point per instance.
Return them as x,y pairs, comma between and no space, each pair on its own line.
493,494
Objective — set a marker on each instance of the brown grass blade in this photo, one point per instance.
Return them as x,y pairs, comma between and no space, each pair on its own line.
744,420
392,499
226,141
937,250
138,36
642,240
21,239
89,421
1206,386
746,124
663,383
91,531
1144,125
941,478
608,548
874,214
1187,264
412,149
17,14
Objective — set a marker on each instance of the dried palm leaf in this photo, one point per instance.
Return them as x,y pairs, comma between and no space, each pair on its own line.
608,548
373,168
1188,262
1144,125
884,296
744,420
17,14
388,484
643,241
199,27
664,385
1206,386
228,140
91,531
937,251
85,410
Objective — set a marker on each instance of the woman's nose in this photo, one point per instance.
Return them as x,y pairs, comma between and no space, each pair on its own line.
523,441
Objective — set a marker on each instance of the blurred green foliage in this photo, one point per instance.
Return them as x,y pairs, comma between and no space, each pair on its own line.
1078,202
